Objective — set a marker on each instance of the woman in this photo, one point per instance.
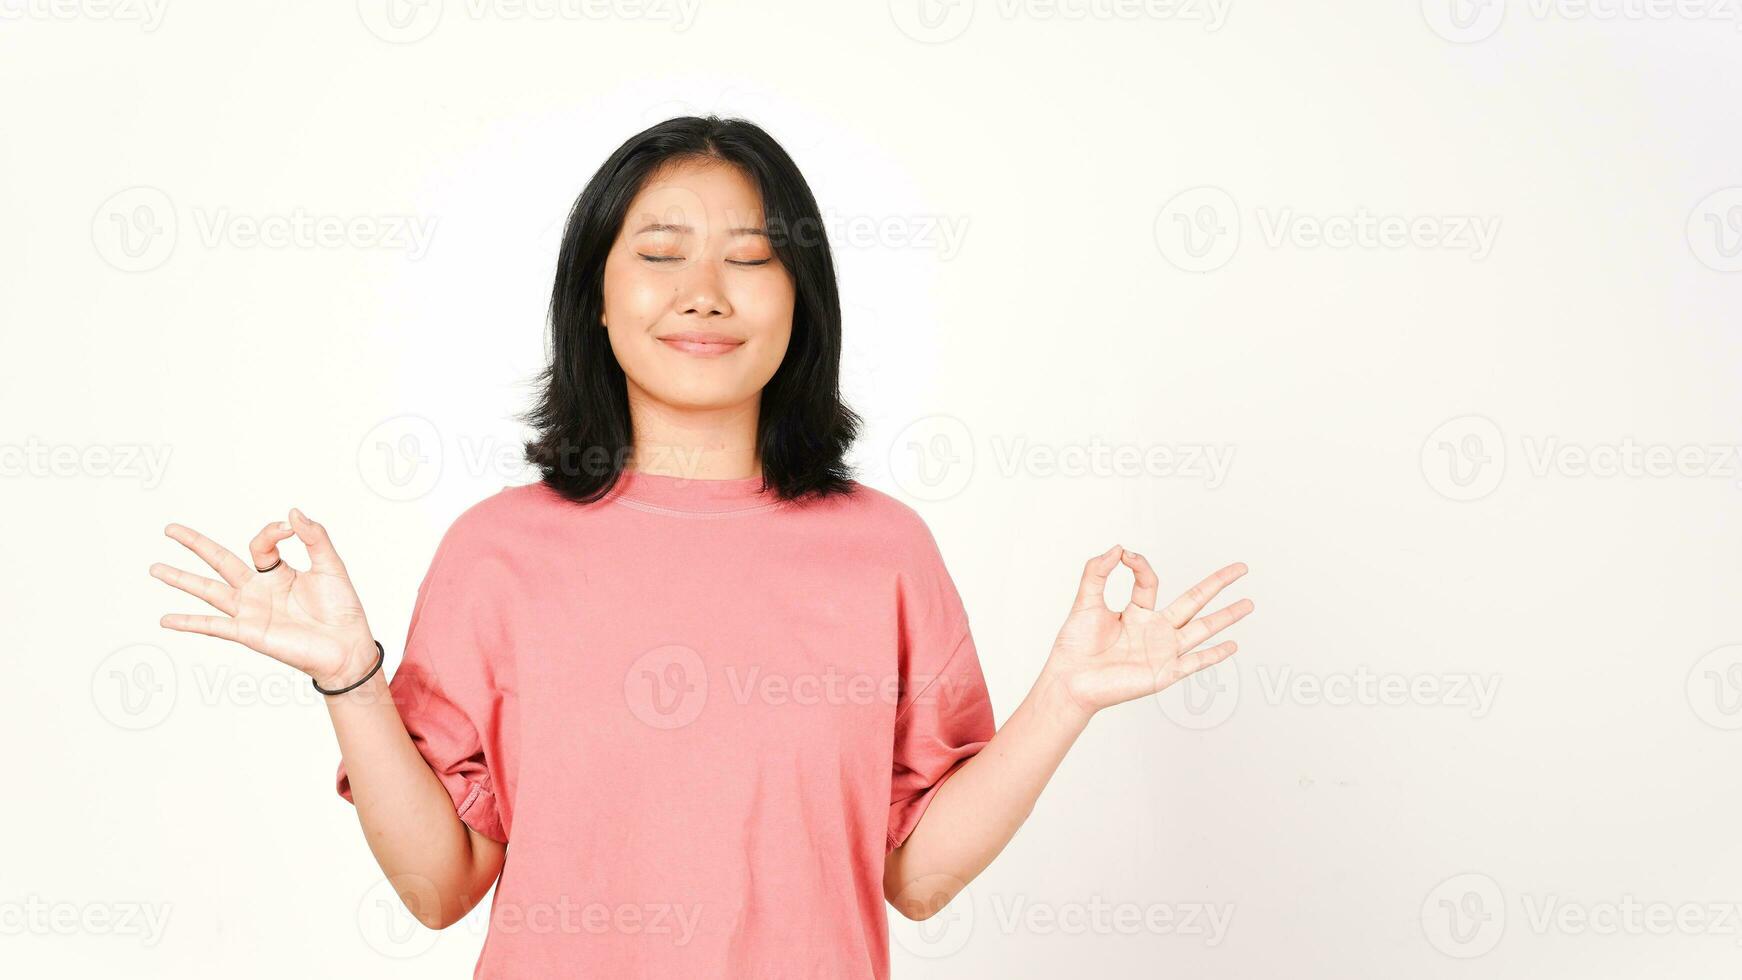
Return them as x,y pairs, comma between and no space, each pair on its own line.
722,698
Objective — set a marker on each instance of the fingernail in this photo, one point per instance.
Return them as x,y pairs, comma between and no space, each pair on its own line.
284,525
299,515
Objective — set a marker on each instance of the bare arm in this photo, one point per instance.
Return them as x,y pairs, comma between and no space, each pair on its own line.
440,867
313,621
1100,658
979,808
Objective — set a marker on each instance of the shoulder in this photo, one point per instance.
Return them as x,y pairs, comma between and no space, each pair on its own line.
882,525
498,520
877,511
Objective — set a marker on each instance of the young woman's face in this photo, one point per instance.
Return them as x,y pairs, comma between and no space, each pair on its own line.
697,305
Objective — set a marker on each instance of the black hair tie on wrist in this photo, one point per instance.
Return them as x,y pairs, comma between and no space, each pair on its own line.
380,658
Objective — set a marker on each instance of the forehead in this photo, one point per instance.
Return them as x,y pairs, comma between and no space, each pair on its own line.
699,194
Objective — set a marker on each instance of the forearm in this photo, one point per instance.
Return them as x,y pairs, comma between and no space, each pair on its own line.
978,809
408,819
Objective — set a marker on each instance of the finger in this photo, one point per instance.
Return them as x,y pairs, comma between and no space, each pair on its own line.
321,554
218,626
1199,630
1143,591
221,596
1189,664
1181,610
1093,588
264,548
222,560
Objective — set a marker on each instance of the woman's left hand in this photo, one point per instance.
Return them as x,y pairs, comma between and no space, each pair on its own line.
1102,658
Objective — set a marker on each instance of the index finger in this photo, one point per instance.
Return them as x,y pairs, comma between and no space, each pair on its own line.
222,560
1181,610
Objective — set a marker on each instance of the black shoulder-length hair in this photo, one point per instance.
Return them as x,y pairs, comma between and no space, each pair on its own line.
582,415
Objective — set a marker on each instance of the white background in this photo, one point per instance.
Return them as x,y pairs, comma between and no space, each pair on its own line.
1419,442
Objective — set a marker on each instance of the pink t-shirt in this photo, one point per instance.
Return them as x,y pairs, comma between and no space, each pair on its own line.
699,716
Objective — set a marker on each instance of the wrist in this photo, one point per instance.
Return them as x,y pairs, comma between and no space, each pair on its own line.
1052,697
356,660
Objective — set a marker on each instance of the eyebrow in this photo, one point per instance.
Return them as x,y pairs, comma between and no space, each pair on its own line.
686,229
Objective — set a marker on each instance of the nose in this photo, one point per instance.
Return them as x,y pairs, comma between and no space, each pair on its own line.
699,293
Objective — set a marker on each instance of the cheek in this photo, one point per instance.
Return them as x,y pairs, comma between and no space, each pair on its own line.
769,306
776,330
632,297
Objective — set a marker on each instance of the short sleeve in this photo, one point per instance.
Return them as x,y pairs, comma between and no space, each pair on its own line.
443,689
944,713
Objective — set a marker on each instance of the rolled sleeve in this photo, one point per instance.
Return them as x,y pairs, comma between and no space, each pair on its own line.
444,694
944,716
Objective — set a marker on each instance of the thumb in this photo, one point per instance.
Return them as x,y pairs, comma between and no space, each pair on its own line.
321,554
1093,588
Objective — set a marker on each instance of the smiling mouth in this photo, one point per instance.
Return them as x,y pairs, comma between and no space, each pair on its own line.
703,344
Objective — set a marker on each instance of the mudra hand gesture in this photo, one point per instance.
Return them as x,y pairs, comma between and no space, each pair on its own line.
311,620
1103,657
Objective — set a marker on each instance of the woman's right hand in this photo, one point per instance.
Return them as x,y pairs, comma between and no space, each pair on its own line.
311,620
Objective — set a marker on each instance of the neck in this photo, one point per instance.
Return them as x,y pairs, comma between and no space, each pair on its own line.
698,443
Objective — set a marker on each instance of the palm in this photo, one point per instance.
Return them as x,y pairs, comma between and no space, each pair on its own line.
304,623
311,620
1107,657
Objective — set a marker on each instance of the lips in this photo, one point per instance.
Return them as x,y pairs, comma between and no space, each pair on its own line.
703,344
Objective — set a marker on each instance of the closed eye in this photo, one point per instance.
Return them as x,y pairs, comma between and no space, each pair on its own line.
679,258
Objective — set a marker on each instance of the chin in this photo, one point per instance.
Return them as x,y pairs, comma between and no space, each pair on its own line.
697,397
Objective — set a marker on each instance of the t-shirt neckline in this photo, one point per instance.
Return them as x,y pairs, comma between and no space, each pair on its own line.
692,495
